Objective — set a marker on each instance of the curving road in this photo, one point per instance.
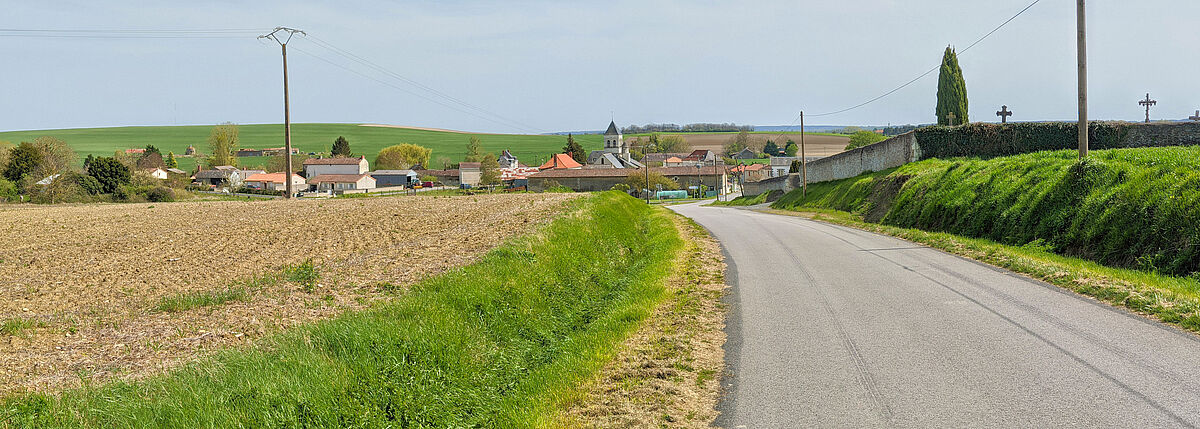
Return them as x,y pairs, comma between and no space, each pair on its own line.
835,327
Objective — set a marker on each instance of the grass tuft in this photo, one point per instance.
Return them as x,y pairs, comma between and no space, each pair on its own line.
190,300
18,327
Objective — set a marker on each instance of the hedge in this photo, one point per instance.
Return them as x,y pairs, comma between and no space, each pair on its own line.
993,140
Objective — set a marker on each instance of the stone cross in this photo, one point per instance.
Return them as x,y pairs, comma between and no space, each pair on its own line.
951,117
1148,102
1197,117
1004,113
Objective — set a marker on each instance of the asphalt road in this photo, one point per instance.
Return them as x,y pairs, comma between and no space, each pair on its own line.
837,327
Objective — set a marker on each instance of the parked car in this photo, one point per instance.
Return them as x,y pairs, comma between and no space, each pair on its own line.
427,184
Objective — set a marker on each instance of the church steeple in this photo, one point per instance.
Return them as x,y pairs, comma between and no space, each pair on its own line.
614,142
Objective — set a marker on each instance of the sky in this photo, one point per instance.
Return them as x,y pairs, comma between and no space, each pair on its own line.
547,66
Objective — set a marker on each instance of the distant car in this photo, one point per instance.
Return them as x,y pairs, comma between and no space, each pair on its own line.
427,184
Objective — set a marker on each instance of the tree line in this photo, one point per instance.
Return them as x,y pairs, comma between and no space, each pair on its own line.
689,128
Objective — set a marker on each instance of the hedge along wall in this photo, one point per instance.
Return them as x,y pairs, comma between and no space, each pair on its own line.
993,140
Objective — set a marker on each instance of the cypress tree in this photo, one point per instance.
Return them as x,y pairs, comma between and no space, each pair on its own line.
952,91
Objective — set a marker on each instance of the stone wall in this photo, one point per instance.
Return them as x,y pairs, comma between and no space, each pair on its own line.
1163,134
886,154
781,183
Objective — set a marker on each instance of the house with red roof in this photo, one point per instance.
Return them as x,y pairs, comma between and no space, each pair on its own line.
561,161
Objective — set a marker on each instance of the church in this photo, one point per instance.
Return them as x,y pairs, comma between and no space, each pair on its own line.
615,153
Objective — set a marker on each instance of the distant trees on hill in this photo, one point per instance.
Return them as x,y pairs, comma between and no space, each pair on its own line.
689,128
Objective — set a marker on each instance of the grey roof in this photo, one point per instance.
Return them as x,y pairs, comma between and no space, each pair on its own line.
612,129
213,174
777,161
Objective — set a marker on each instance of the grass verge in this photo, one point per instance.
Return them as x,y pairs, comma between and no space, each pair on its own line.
666,374
1174,300
765,197
500,343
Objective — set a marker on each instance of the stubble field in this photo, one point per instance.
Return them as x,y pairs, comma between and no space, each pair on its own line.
821,145
100,292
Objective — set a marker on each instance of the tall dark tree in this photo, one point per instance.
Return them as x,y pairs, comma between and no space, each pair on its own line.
22,160
151,149
111,174
88,161
771,149
795,167
574,149
341,147
952,91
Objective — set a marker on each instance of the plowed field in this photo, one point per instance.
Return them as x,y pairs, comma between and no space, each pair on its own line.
96,292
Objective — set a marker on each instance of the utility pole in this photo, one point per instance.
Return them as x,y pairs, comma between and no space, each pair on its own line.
803,159
287,119
1081,23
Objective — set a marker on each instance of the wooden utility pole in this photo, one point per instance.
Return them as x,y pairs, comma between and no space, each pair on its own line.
1081,23
803,160
287,119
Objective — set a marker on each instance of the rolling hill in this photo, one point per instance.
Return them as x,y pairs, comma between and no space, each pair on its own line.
364,139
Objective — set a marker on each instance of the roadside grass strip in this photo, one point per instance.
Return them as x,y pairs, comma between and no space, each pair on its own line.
503,342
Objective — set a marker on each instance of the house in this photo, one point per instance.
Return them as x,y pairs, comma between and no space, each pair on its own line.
673,161
386,178
314,167
653,158
156,173
780,165
507,160
746,154
135,151
244,173
603,179
223,175
190,151
342,182
517,172
751,172
702,156
274,182
560,161
469,173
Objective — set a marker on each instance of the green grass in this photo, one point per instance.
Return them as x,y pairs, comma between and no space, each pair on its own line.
16,327
306,137
1174,300
1128,208
500,343
187,301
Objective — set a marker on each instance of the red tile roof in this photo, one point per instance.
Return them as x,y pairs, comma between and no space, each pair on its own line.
272,177
560,161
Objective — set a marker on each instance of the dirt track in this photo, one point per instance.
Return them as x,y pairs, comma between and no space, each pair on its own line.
88,278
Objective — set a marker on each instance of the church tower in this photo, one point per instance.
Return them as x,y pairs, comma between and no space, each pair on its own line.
614,142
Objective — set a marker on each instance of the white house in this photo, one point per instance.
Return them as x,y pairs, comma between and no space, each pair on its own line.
156,173
342,182
314,167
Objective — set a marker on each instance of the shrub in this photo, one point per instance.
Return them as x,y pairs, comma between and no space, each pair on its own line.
160,194
111,174
8,191
87,183
864,138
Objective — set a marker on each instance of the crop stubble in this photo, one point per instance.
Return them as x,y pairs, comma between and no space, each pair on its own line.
89,276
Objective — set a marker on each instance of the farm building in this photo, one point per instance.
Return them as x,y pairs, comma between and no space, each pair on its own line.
249,152
702,156
673,161
745,154
274,181
276,151
219,176
385,178
603,179
469,173
314,167
658,158
507,160
446,177
342,182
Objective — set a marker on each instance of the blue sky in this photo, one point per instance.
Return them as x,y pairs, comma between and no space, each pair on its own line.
566,65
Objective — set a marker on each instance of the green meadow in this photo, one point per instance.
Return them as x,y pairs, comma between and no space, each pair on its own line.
306,137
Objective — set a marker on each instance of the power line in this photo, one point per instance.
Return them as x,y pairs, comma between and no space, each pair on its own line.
352,57
922,75
128,33
406,90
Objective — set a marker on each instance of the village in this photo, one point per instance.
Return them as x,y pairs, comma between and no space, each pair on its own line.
699,173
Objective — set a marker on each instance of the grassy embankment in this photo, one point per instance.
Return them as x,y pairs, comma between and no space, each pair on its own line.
1120,226
503,342
306,137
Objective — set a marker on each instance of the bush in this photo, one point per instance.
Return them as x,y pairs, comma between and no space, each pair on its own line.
864,138
254,191
111,174
120,194
87,183
8,191
160,194
993,140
